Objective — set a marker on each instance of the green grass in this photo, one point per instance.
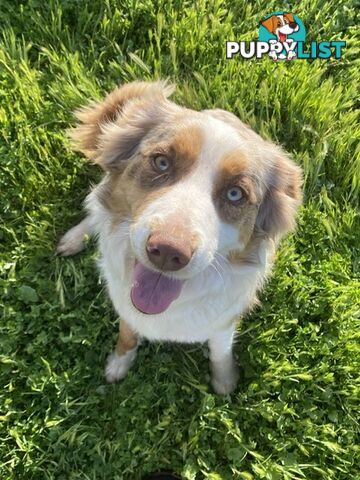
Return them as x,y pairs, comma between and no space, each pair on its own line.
295,412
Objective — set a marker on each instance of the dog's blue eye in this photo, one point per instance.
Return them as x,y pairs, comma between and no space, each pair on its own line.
234,194
162,163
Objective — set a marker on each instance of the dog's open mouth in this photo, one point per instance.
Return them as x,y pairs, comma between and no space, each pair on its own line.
153,292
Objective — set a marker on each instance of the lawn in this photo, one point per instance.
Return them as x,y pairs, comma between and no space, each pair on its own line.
294,414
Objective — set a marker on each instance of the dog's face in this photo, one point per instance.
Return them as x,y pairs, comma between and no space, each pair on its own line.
192,185
281,25
191,191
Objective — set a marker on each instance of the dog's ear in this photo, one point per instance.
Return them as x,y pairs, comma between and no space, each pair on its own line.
270,23
282,198
290,17
127,113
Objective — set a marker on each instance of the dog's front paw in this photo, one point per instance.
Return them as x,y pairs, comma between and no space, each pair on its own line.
117,366
71,243
224,377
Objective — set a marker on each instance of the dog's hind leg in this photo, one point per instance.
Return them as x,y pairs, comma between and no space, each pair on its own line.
120,361
73,240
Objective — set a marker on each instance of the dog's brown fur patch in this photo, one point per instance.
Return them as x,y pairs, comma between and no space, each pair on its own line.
182,151
129,192
278,177
86,134
277,213
250,254
127,339
234,172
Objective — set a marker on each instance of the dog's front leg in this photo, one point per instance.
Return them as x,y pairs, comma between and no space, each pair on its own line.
120,361
73,240
224,369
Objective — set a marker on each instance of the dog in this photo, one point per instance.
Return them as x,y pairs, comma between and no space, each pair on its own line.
188,216
281,26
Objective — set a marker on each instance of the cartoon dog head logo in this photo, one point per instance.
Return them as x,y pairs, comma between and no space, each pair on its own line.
282,30
281,25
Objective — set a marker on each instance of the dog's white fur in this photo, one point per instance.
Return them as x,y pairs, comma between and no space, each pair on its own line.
216,292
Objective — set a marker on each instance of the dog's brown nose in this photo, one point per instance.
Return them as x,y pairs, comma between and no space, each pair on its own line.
293,24
168,253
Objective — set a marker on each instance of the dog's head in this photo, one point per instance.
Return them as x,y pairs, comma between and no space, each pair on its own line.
192,185
281,25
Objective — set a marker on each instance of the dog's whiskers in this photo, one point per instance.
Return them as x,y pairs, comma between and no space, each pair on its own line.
218,273
225,262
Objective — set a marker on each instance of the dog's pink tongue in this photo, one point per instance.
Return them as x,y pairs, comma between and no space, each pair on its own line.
152,292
